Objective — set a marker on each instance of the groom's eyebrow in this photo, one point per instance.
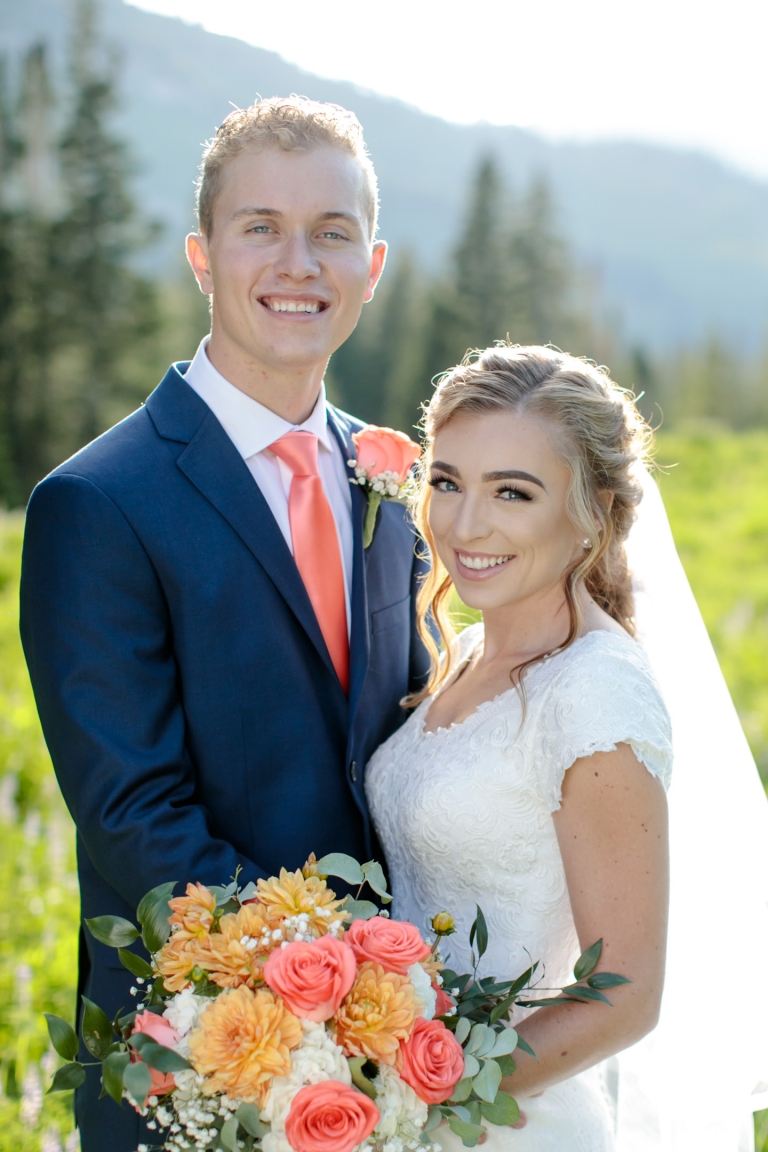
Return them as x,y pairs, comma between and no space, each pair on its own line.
513,474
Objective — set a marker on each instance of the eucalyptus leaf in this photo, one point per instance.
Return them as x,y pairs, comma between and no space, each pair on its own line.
524,1046
506,1063
471,1065
137,1081
248,1117
463,1028
588,961
228,1134
476,1038
223,893
460,1111
68,1077
462,1090
153,914
487,1045
606,980
112,1074
505,1043
486,1083
359,909
96,1029
504,1110
434,1117
63,1036
359,1079
248,892
374,875
341,865
469,1133
482,932
113,931
137,965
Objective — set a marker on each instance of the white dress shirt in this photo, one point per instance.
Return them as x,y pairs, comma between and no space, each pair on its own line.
252,428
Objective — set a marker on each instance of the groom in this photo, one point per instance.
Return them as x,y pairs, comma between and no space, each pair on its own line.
214,654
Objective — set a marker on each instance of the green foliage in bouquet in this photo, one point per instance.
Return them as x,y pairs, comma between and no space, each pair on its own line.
481,1026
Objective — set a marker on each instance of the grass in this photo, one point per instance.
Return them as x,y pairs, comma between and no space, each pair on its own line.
716,490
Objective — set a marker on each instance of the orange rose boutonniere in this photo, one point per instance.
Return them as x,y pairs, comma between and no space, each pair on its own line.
383,469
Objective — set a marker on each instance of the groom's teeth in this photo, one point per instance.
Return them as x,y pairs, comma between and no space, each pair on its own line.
480,562
293,305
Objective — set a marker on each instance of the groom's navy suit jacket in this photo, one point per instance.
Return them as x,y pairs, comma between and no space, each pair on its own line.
187,697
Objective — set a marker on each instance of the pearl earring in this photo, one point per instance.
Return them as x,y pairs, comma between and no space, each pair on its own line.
587,542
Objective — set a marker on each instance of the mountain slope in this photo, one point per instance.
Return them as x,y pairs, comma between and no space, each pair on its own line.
679,241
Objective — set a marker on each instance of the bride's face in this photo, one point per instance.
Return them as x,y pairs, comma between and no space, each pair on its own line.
498,508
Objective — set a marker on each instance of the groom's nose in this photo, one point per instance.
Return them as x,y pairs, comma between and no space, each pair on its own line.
296,259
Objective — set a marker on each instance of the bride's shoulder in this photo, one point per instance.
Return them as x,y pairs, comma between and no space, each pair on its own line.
602,692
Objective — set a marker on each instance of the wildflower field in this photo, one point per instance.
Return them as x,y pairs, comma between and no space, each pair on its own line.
715,485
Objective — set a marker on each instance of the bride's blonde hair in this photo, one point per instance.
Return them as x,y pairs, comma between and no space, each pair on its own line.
603,438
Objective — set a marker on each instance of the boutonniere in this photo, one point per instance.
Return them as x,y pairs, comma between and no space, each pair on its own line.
382,469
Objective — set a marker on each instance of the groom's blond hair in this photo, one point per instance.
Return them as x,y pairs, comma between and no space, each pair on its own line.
293,123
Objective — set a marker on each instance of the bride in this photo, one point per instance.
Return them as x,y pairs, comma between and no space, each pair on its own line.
531,777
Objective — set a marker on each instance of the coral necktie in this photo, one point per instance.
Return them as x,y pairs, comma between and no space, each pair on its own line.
316,545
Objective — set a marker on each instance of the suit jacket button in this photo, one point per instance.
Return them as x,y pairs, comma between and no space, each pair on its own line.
353,772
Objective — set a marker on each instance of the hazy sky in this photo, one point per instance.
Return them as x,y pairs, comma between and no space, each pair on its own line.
691,72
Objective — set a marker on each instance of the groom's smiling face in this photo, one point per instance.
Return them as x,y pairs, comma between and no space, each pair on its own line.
290,260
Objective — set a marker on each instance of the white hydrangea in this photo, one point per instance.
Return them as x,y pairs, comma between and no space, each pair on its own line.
402,1114
317,1058
183,1012
422,982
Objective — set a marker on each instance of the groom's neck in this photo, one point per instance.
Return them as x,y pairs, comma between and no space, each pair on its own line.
288,391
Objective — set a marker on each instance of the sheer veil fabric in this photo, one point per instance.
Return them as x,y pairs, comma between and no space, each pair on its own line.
692,1085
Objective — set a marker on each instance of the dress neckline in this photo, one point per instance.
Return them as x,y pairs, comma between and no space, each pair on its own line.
485,705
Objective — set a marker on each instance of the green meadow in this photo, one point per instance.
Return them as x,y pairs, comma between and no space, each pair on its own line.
715,485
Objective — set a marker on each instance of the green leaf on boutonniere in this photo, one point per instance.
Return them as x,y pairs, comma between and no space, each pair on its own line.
374,499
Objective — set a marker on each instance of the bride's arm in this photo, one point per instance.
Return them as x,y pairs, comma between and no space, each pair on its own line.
612,831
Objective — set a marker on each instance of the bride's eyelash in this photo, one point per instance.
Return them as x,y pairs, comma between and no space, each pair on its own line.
518,491
435,479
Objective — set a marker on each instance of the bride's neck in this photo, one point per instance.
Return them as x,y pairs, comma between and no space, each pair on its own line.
529,627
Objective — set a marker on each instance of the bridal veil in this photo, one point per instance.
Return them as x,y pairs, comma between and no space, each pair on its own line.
692,1084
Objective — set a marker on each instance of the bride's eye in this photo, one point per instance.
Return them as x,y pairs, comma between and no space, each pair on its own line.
512,495
443,484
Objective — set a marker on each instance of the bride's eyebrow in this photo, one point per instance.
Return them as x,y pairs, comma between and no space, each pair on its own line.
514,474
449,468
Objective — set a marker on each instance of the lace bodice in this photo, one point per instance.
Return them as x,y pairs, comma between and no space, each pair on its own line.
464,813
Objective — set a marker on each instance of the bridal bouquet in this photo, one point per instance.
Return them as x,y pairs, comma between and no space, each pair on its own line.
278,1017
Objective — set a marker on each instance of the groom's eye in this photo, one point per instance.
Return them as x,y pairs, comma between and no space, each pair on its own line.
262,228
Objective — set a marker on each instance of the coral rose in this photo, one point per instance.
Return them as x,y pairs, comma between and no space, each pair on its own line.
431,1061
377,1014
244,1039
193,913
384,450
312,978
162,1032
330,1117
395,944
443,1002
290,894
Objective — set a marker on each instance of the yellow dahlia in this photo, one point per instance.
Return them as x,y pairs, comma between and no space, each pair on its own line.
236,954
378,1013
193,913
244,1040
292,894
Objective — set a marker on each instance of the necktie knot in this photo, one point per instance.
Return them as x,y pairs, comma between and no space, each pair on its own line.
299,451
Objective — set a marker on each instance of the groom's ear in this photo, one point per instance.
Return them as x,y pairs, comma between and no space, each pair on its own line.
378,259
197,254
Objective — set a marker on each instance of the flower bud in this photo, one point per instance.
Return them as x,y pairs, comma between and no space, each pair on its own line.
310,868
443,924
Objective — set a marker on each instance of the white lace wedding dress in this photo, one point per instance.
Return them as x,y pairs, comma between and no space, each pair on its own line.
464,815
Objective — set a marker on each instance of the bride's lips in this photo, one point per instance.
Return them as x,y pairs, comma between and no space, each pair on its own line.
491,563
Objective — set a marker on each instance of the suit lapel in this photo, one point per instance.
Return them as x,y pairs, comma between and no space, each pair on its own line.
360,641
212,463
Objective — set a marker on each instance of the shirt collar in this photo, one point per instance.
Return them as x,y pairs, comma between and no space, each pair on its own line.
250,426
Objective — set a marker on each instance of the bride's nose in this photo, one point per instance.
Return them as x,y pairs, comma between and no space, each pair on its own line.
471,521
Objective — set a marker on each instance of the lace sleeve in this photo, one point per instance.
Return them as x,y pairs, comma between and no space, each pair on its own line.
604,695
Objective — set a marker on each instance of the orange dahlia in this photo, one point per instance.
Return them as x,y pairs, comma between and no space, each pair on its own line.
237,952
193,914
177,958
244,1040
378,1013
291,894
